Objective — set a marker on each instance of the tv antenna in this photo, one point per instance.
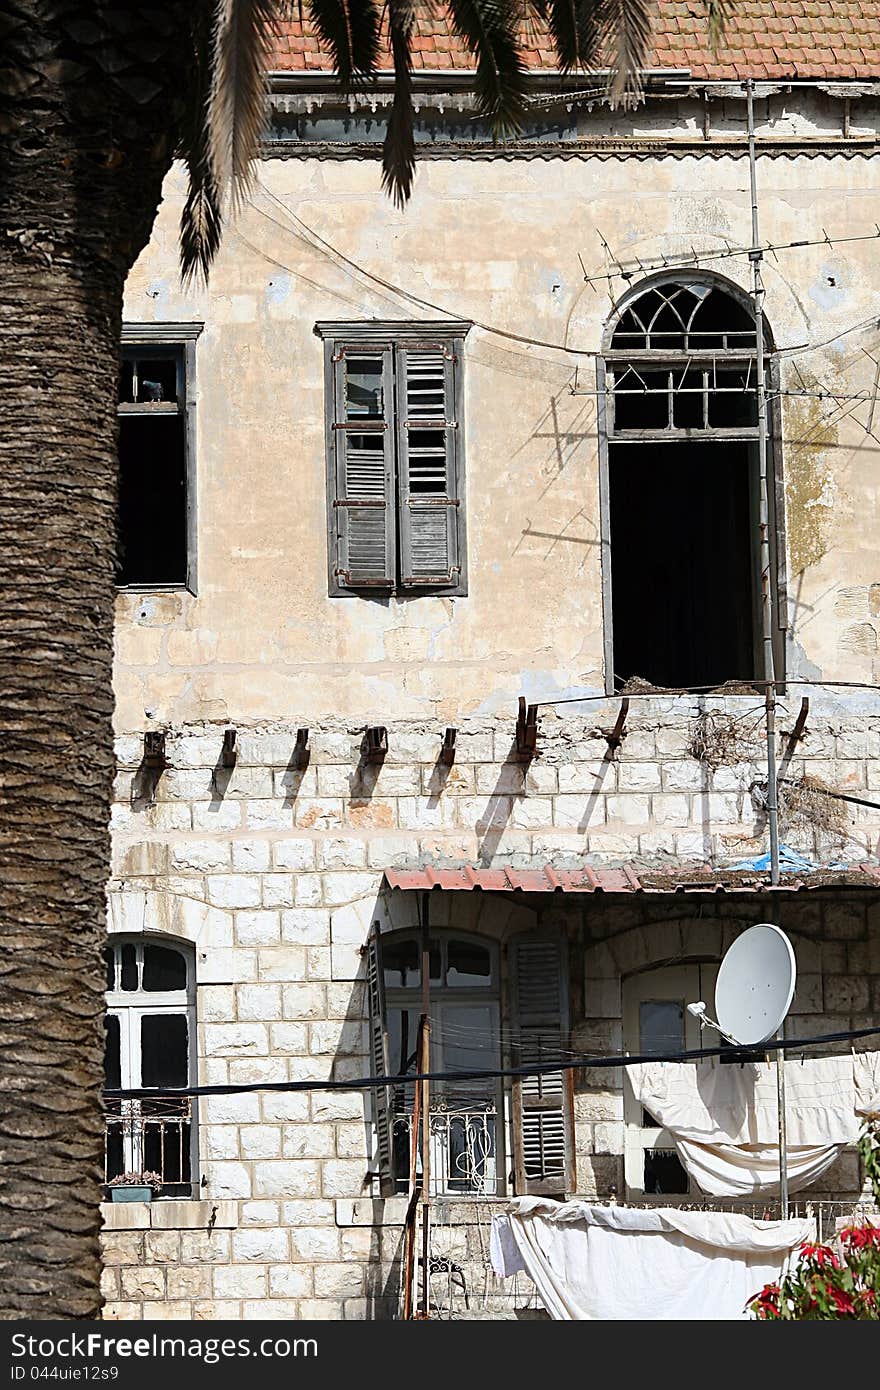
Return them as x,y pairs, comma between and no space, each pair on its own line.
753,995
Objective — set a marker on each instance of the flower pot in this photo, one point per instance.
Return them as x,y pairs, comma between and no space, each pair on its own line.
131,1194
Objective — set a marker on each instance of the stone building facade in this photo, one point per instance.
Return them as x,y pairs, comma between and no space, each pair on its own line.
592,856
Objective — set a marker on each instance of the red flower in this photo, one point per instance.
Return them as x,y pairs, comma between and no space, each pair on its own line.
842,1301
822,1255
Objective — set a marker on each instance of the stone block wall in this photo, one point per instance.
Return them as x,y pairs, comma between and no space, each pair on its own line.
274,875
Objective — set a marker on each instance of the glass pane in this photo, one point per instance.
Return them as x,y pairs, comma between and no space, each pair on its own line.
402,962
163,968
661,1025
157,379
363,388
468,964
112,1063
110,962
469,1042
164,1050
129,967
403,1038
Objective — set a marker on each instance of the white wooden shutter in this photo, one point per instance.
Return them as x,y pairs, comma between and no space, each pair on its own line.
542,1112
362,521
430,473
379,1060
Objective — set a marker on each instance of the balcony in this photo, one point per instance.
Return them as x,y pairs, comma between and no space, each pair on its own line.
151,1135
463,1150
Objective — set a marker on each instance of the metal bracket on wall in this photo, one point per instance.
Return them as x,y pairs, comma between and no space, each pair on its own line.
447,748
799,731
301,751
614,737
527,729
154,752
375,744
229,754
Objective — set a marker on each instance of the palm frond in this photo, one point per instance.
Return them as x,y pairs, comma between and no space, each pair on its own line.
717,12
350,31
237,99
489,28
624,32
399,148
574,29
200,220
201,224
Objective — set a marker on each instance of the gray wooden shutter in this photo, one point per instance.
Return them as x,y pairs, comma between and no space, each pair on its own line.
542,1109
379,1059
429,465
362,510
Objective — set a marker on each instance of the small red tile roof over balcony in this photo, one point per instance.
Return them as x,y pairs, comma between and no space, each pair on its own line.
817,40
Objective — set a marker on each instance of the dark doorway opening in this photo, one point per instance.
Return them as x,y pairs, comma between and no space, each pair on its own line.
683,566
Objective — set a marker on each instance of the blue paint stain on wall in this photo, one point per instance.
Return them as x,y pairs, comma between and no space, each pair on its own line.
829,291
278,288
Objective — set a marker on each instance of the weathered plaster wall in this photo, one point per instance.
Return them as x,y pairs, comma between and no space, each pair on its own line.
497,242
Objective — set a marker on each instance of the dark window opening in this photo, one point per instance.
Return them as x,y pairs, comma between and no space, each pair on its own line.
683,483
163,968
664,1172
682,568
152,544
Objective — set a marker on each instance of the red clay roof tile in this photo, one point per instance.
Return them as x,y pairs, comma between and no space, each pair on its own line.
804,47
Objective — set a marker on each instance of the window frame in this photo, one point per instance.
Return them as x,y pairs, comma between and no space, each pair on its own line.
662,359
682,983
130,1007
444,998
152,340
390,336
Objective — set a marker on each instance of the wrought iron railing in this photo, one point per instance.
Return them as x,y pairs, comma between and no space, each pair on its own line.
463,1148
152,1135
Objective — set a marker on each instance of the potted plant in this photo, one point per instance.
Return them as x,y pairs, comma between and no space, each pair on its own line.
135,1187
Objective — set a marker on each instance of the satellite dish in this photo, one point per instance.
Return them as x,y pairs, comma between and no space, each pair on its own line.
755,985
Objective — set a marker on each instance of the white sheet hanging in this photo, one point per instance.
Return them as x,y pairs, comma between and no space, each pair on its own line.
651,1263
723,1118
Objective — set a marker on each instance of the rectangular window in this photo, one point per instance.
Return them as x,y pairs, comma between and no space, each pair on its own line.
395,451
156,545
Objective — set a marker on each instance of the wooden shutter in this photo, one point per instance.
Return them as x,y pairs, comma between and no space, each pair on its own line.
362,511
379,1059
429,462
542,1105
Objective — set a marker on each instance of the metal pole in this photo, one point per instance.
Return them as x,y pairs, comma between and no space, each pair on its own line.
783,1145
425,1066
756,256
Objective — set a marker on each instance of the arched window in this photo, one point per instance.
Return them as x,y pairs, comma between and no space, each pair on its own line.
680,524
466,1129
150,1042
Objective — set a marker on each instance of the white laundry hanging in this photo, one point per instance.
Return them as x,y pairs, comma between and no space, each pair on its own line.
641,1263
724,1118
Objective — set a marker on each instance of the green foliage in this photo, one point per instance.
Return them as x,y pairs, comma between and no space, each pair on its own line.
830,1282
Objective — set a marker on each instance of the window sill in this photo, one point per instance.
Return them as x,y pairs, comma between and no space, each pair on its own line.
170,1214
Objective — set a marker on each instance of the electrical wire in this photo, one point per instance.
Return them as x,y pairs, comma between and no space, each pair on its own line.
372,1083
319,242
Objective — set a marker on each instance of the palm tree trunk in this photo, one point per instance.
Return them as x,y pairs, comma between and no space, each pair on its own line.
90,100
